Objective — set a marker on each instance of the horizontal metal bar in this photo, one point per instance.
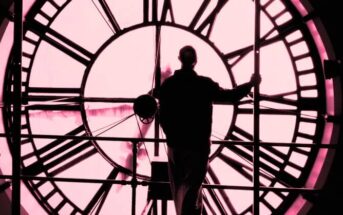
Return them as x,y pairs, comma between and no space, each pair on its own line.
68,100
88,99
76,180
278,189
276,144
67,137
136,140
147,183
77,99
228,142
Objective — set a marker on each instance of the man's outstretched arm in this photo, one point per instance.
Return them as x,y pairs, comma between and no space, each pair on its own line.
237,93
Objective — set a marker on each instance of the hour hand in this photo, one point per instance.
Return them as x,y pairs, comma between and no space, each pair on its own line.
164,75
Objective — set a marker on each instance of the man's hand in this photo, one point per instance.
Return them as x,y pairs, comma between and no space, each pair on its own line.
255,79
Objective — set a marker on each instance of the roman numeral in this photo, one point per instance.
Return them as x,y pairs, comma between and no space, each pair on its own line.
98,200
114,24
30,44
272,162
241,168
60,42
219,196
50,192
282,104
302,103
246,170
212,201
208,21
59,199
151,13
240,134
281,32
51,93
61,154
51,98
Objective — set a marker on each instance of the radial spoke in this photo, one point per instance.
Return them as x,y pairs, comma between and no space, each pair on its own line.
143,130
112,125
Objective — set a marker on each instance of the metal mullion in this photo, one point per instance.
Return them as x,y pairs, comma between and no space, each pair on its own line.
157,77
17,85
134,181
256,111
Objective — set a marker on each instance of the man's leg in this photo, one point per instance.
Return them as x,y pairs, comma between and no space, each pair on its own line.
187,170
196,171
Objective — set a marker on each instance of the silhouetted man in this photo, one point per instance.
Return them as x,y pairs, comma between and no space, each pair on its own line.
186,117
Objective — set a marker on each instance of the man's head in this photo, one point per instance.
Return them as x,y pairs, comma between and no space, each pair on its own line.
188,56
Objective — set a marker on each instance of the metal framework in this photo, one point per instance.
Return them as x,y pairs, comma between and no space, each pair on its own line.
16,133
134,182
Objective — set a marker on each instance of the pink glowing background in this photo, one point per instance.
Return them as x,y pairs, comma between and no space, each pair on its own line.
124,69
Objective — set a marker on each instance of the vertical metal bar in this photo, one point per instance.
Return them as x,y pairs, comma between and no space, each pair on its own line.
16,128
256,181
164,207
134,177
157,84
154,10
146,11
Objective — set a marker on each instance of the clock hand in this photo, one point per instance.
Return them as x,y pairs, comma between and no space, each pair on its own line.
166,73
109,111
157,69
157,82
50,114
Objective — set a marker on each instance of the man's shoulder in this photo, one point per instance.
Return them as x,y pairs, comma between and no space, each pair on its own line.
177,76
206,81
205,78
168,80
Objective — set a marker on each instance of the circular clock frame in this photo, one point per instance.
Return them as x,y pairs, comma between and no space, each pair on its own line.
305,104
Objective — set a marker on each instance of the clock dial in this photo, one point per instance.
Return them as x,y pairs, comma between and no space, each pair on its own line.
85,63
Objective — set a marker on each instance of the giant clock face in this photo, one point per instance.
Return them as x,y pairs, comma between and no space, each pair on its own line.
85,61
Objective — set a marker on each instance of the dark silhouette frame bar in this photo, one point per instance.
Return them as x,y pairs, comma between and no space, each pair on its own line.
17,102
